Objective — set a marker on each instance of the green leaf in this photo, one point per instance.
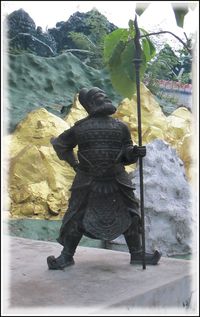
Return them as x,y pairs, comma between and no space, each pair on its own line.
111,40
116,54
128,64
119,71
127,60
119,54
180,11
121,81
148,47
152,48
123,74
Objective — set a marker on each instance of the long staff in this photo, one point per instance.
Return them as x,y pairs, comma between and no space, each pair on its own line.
137,60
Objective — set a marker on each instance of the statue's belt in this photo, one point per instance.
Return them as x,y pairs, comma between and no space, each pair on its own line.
102,171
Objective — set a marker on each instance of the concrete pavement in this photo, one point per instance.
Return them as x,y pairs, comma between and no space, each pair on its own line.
102,282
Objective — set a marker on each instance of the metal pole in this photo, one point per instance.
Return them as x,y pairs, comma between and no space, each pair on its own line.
137,62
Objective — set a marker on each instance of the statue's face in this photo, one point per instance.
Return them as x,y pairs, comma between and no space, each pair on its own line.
100,98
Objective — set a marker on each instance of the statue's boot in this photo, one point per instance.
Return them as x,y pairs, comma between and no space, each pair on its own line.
66,257
133,240
150,258
60,262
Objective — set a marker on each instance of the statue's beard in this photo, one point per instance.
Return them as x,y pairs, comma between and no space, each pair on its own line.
103,107
104,102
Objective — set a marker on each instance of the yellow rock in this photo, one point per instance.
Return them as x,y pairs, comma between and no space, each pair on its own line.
152,133
185,152
36,128
183,113
77,112
179,135
38,181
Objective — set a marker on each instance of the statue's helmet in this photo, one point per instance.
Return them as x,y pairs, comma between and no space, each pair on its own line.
92,106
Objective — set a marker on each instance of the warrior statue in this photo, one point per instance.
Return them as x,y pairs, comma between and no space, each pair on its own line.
102,203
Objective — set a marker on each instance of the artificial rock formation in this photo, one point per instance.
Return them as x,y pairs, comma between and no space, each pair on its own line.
38,180
49,83
77,112
169,214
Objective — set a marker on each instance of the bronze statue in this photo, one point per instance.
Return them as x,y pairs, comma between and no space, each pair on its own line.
102,203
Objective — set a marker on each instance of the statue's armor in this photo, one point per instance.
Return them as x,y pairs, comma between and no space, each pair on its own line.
100,142
102,188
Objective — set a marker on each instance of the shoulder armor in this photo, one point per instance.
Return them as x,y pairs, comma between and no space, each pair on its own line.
81,121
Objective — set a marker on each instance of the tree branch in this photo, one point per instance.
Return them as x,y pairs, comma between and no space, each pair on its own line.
178,38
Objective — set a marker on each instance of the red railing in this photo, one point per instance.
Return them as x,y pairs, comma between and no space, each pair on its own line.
174,85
